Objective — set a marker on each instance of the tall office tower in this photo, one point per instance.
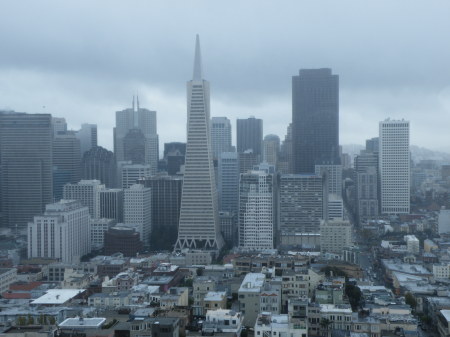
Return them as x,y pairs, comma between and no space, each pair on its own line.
228,227
367,193
256,210
138,210
135,136
87,136
62,232
85,191
271,149
247,160
66,161
100,164
373,145
110,203
59,125
285,160
249,135
199,215
228,182
315,119
303,202
335,207
98,229
174,155
26,162
220,136
166,203
334,177
131,173
395,166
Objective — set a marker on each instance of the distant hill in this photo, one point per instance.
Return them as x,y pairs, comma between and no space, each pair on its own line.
417,153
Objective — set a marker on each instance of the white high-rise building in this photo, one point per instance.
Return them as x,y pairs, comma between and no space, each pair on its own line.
394,166
62,232
271,149
135,136
220,135
86,191
130,173
199,225
334,177
335,235
138,210
256,210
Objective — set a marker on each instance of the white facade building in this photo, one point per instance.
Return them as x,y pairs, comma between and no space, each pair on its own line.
412,244
335,207
444,221
220,135
335,235
62,232
85,191
395,167
98,229
334,177
278,326
130,173
256,213
138,210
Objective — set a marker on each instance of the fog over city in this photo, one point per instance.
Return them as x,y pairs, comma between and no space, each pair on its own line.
84,60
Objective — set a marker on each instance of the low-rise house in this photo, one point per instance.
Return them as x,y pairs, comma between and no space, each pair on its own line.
278,325
223,320
215,300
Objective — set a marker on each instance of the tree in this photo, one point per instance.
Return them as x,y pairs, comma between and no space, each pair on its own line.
51,320
325,325
354,295
30,320
410,300
21,321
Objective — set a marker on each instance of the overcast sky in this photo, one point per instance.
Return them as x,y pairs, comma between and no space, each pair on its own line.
84,60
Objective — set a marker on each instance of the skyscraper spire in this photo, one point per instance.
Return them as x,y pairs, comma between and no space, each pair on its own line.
197,61
133,103
137,100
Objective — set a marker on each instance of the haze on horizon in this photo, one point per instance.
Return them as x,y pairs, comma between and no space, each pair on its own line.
84,60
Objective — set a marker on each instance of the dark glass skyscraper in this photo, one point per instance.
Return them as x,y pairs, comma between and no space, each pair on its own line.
249,135
25,166
315,119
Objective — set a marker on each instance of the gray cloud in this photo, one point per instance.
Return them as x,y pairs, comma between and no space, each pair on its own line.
83,60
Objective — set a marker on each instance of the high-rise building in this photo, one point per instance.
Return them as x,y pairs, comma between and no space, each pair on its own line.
249,135
247,160
59,126
87,136
220,136
98,228
373,145
303,202
99,163
271,149
110,203
85,191
334,177
66,161
122,239
166,203
394,167
62,232
228,182
174,155
26,161
131,173
256,210
285,162
199,215
228,227
135,136
315,119
138,210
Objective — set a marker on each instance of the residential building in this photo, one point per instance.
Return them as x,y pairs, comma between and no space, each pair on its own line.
278,325
248,295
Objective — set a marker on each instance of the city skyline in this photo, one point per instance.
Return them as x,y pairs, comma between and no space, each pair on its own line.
396,74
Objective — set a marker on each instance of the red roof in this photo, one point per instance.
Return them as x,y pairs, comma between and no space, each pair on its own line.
24,286
16,296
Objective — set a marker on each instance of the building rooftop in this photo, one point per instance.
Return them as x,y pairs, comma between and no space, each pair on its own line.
215,296
252,282
82,323
57,296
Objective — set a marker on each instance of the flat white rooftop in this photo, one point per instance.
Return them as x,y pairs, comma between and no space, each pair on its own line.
82,323
57,296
